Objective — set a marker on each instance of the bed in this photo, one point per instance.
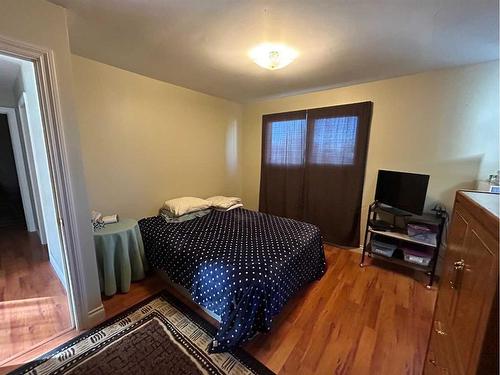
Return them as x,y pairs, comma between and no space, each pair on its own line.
241,265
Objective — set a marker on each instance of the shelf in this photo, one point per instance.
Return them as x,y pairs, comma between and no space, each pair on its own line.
404,237
391,211
401,262
400,238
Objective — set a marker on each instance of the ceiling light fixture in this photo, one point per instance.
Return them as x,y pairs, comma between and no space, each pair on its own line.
273,56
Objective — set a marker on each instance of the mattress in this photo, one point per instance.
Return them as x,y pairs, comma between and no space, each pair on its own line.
241,265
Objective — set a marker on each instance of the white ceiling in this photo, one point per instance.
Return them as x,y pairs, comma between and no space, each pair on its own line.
203,44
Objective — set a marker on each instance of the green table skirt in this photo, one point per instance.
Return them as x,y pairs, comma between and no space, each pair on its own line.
120,256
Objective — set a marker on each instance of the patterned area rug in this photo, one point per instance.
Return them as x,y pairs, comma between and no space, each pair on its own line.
158,336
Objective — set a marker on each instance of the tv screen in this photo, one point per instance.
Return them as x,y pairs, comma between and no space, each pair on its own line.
405,191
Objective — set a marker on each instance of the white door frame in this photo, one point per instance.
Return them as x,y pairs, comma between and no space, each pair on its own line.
45,72
22,175
23,110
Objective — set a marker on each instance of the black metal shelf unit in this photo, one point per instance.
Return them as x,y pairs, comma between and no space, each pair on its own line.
399,235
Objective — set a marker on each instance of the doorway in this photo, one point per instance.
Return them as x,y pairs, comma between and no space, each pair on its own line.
34,303
11,206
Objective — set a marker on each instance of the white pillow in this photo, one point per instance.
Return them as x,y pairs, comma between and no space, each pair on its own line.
220,201
237,205
185,205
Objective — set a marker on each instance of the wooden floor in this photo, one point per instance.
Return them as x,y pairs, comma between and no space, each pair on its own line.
353,321
33,303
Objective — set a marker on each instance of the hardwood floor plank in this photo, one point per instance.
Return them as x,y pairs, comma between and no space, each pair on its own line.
33,303
362,305
365,351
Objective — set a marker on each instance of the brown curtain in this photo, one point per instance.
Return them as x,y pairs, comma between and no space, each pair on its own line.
326,187
282,174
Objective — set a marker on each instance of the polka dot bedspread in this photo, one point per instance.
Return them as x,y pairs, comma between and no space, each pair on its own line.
240,264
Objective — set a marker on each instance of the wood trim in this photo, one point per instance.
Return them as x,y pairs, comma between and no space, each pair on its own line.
45,72
34,353
489,220
36,346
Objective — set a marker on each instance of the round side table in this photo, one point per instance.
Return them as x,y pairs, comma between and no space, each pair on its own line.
120,256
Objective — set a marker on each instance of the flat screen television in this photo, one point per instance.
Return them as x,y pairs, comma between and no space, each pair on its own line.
401,190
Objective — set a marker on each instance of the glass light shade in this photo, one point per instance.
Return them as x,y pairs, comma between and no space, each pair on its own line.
272,56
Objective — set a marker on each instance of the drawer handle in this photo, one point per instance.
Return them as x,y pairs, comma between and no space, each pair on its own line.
458,267
438,328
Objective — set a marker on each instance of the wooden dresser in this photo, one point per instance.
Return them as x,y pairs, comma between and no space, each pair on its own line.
464,337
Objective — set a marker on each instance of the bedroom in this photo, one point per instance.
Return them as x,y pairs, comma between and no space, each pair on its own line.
163,100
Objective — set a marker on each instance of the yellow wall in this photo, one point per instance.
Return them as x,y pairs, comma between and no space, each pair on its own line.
443,123
145,141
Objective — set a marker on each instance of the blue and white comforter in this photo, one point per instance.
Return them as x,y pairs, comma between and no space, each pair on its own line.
242,265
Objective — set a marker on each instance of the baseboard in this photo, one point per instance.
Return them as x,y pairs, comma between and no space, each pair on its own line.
94,317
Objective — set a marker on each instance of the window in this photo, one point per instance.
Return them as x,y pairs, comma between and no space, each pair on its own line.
334,140
286,140
313,167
